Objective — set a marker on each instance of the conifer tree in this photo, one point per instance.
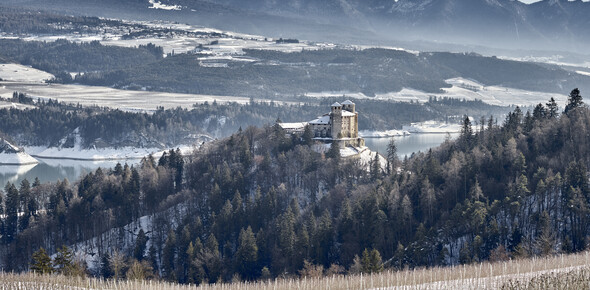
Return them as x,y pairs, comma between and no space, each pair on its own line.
552,109
334,151
371,261
64,261
41,262
12,209
574,100
140,245
466,137
25,199
376,167
247,254
168,256
391,156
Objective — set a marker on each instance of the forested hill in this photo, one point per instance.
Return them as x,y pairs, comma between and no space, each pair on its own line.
260,204
51,123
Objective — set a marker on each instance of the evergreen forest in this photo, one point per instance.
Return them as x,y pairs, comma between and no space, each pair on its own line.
262,204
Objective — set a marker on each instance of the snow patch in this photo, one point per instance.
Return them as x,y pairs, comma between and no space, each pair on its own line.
159,5
102,154
19,158
383,134
432,127
12,155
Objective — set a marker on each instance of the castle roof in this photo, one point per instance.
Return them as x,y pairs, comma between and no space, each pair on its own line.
347,114
321,120
293,126
336,104
348,102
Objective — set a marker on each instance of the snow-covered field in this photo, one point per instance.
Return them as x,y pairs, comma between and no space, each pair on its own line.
108,97
20,73
213,41
461,89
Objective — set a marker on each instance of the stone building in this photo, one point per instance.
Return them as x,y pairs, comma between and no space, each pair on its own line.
339,126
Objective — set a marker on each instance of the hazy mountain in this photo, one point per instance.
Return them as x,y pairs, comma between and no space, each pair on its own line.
500,23
547,25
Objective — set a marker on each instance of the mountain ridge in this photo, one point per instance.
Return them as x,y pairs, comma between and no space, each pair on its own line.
506,24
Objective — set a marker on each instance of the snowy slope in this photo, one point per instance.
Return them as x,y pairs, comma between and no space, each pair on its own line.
12,155
19,158
78,152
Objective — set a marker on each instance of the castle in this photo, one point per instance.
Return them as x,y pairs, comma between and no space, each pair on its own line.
340,126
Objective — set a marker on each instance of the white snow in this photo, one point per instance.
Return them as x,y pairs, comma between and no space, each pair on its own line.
108,97
333,94
159,5
584,73
382,134
364,154
11,105
293,126
98,154
19,158
229,43
77,153
347,114
13,155
553,59
20,73
321,120
367,156
123,239
432,127
461,89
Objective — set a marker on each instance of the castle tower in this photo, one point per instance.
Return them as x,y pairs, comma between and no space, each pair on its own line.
336,118
353,124
348,105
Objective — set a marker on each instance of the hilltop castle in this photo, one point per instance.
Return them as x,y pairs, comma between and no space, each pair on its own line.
340,126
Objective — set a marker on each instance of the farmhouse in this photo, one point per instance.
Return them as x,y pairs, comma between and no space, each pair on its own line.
339,126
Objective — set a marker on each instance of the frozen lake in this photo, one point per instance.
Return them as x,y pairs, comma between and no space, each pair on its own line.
406,145
51,170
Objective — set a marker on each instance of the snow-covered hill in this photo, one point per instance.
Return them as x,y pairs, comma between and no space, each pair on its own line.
12,155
